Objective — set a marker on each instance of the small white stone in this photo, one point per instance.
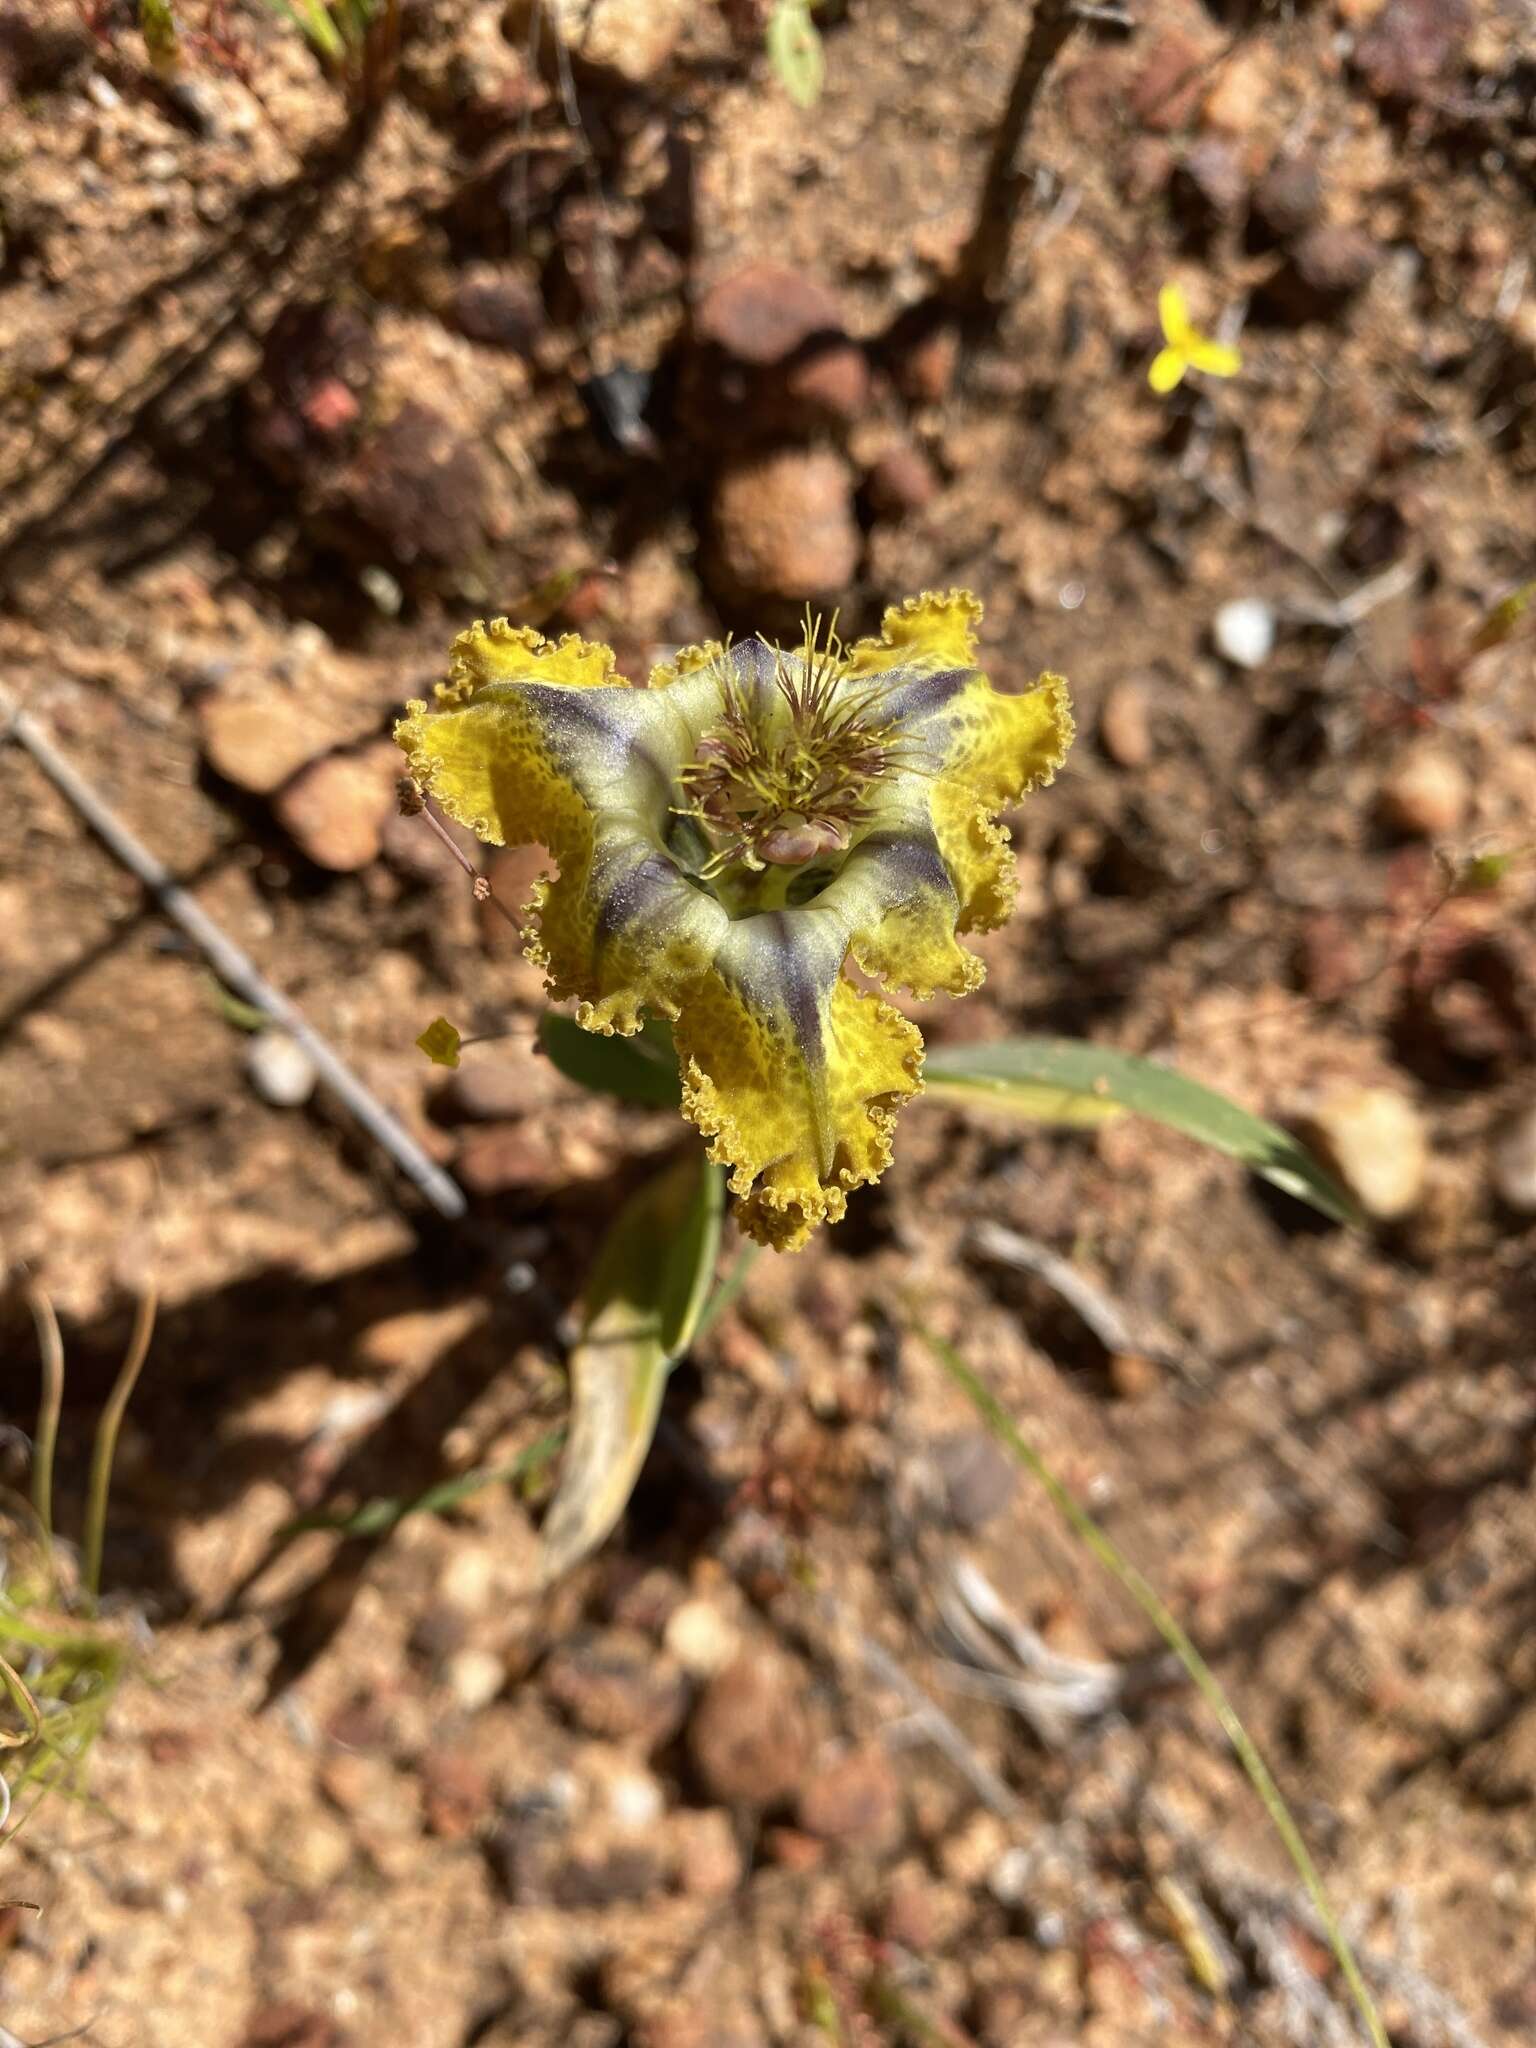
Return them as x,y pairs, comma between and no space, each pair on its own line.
475,1677
1514,1164
1244,632
635,1800
103,92
280,1070
701,1638
382,589
1374,1140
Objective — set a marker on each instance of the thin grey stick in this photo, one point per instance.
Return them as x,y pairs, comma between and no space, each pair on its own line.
234,967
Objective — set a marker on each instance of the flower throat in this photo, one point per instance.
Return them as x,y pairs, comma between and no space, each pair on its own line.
779,786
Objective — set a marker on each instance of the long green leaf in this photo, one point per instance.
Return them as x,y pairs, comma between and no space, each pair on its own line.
1152,1605
644,1301
1067,1080
642,1069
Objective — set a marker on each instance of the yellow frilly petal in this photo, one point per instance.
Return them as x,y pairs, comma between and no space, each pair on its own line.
997,750
798,1125
936,630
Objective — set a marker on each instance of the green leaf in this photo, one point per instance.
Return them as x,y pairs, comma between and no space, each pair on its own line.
644,1301
1067,1080
795,52
642,1069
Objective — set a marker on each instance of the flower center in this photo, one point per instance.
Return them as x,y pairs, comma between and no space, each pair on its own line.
780,784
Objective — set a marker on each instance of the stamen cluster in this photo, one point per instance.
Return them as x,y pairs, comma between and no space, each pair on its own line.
784,779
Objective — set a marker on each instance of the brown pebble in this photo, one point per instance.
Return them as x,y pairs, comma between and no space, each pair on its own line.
926,369
831,382
334,810
792,1850
1412,46
1427,794
1240,93
506,1157
1125,724
1289,197
1133,1376
258,741
498,307
1168,88
616,1686
489,1089
784,525
902,480
709,1862
854,1799
1335,262
1212,172
455,1795
761,315
748,1737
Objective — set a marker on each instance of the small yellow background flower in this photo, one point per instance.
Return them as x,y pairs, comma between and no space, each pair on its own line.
731,837
1187,348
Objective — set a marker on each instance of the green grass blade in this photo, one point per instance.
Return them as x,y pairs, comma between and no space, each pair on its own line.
1120,1568
1068,1080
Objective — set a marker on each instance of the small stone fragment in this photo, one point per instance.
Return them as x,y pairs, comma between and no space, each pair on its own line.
926,369
854,1799
630,40
505,1157
420,486
1125,724
1427,794
616,1686
784,525
1167,90
455,1794
1289,197
498,307
1244,632
279,1069
474,1677
1514,1164
701,1638
1335,263
761,315
1412,46
1240,94
257,741
1374,1140
334,810
901,481
831,384
709,1864
1214,179
978,1482
488,1090
748,1736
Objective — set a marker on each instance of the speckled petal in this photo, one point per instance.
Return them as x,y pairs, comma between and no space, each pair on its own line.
793,1075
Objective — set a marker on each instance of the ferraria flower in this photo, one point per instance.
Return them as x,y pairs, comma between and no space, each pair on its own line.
731,837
